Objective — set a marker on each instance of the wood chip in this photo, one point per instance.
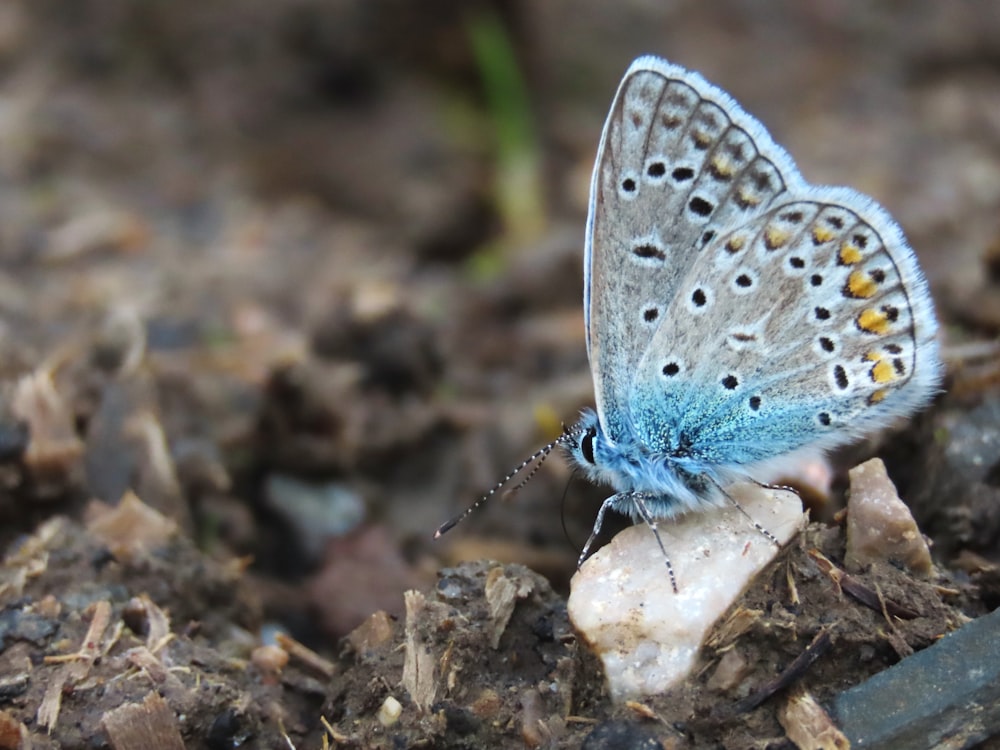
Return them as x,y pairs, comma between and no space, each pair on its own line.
54,448
419,677
74,667
502,594
130,529
306,655
139,726
808,725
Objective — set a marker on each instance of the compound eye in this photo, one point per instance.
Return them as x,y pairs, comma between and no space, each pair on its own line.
587,445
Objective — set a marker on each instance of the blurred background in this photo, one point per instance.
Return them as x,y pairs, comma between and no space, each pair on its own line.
306,276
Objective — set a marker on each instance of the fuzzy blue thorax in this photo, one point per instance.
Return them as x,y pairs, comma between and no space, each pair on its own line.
673,484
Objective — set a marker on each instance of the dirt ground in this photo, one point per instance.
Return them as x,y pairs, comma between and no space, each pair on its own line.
299,281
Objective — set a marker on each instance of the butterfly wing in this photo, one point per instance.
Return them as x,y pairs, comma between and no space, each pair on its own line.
809,325
677,158
735,312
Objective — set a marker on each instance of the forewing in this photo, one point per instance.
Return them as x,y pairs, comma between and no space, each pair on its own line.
678,159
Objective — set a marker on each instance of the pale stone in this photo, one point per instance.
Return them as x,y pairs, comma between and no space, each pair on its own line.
730,671
622,603
880,527
389,712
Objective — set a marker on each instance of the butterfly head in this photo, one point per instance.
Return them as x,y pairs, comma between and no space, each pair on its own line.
601,460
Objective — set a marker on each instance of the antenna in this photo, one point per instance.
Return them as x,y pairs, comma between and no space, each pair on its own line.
537,458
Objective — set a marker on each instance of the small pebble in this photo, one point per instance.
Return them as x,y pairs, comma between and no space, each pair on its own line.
389,712
730,671
270,660
880,527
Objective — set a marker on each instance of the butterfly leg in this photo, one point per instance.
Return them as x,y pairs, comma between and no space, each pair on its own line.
597,526
639,498
770,537
639,501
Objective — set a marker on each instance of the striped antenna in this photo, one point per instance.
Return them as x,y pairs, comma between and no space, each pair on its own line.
537,458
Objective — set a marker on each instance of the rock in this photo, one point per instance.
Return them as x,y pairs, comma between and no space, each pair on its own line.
880,527
947,695
623,605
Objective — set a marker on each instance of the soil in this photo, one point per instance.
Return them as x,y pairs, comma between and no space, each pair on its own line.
284,286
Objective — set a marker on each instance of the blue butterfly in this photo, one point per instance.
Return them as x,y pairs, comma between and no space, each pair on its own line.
738,318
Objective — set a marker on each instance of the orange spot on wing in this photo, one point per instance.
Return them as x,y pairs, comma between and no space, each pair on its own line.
849,254
822,234
735,244
873,321
878,396
722,167
860,285
883,372
775,237
701,139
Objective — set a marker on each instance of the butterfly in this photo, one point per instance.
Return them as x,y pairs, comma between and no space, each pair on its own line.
738,318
